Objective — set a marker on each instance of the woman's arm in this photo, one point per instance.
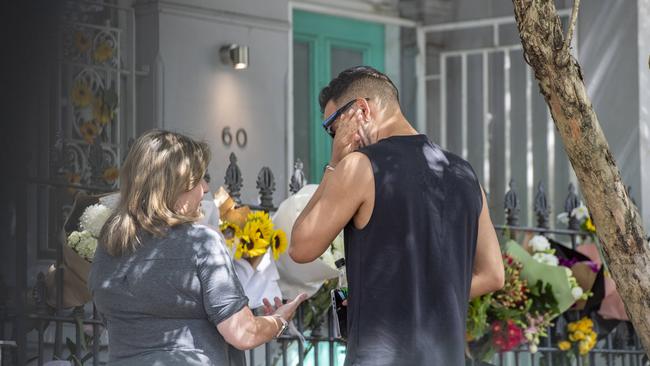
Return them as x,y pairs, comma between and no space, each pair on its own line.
244,331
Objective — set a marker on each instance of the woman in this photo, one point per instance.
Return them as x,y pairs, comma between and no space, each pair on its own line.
164,285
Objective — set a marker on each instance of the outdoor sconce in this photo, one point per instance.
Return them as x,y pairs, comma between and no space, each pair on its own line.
235,55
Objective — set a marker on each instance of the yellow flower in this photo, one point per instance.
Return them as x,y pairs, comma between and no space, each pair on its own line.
103,52
564,345
572,327
583,327
111,174
88,131
251,243
101,113
589,225
278,243
264,223
81,42
583,348
81,94
230,232
578,335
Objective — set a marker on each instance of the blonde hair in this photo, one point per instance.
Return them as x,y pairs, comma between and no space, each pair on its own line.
159,167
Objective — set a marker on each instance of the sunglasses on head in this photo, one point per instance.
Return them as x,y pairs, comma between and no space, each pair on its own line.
329,121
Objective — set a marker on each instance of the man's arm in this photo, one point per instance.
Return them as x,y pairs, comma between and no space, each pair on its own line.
488,274
337,199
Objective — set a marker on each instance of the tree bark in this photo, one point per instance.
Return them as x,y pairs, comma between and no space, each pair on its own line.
617,221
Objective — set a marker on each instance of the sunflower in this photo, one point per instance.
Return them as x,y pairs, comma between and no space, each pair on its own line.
111,174
278,243
230,232
103,52
89,132
101,113
81,94
264,223
81,41
251,243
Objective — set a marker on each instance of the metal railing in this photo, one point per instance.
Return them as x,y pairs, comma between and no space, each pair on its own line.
619,347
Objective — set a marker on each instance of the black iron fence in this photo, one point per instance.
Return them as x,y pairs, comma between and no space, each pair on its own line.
20,323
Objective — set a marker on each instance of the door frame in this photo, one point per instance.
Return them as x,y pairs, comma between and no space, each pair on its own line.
325,10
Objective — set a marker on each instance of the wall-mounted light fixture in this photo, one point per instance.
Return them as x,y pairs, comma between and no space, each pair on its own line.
235,55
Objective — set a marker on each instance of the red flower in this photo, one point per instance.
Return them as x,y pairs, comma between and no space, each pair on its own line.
506,339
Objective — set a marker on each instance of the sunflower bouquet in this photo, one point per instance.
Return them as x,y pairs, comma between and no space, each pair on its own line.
253,238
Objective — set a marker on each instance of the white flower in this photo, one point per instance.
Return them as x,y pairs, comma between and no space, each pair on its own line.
569,273
580,213
94,218
83,243
563,218
546,258
73,239
576,292
532,348
539,243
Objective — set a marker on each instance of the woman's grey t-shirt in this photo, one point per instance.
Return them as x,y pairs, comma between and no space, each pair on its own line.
161,304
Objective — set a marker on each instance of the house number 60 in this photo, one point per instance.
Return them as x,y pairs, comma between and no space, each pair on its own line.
241,138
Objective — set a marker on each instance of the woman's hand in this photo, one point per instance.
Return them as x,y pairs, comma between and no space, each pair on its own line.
286,311
245,331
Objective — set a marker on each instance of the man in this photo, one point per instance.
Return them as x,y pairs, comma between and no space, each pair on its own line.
417,228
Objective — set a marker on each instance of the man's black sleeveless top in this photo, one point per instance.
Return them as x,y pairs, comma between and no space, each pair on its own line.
409,270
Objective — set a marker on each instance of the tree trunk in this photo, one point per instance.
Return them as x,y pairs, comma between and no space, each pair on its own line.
617,220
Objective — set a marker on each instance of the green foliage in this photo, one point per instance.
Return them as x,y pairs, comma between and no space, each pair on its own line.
477,316
543,299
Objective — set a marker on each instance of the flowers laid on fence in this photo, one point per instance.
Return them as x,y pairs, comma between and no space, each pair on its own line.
82,96
581,337
93,109
103,52
581,215
536,291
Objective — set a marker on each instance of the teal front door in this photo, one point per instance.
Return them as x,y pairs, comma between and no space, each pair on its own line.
323,46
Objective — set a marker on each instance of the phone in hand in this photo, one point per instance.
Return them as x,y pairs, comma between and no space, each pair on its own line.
340,313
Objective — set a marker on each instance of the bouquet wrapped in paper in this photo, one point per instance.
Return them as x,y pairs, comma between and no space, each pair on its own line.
537,290
79,237
254,242
296,278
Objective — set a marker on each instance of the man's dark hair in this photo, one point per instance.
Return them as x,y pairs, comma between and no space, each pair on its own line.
359,82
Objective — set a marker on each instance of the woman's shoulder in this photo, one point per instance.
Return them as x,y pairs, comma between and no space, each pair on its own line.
201,237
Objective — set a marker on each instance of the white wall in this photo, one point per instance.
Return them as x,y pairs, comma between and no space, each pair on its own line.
199,96
644,107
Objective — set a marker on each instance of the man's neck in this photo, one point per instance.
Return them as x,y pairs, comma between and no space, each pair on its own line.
395,125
